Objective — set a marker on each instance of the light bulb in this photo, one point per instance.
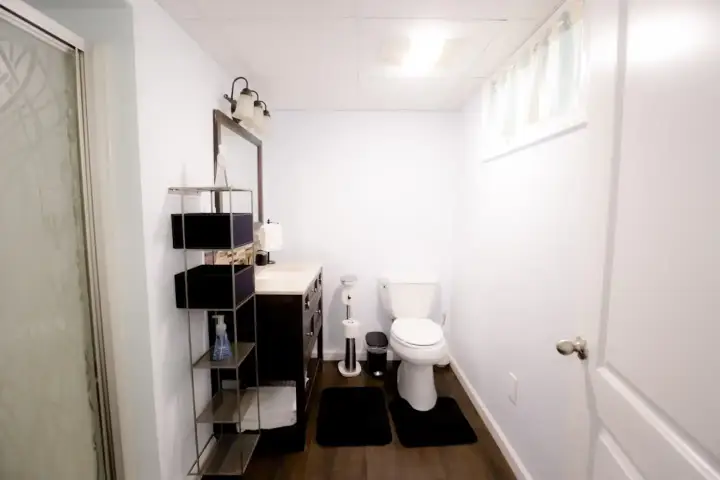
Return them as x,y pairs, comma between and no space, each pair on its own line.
266,121
258,116
244,109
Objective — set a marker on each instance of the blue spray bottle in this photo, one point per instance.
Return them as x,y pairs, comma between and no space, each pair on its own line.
221,349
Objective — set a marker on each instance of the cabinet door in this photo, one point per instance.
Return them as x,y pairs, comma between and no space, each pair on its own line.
280,320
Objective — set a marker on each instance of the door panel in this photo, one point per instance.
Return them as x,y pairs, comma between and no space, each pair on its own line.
655,374
646,437
49,423
611,463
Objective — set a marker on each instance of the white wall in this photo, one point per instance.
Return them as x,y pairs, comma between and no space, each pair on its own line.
363,193
178,86
530,240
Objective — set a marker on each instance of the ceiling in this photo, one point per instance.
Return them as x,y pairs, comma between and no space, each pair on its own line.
62,4
345,54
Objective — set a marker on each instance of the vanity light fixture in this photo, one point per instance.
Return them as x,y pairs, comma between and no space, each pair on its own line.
259,118
257,115
266,117
241,108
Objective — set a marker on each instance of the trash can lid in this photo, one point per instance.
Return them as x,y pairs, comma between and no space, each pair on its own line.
376,339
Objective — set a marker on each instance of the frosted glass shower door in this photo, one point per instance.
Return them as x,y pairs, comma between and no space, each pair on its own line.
49,421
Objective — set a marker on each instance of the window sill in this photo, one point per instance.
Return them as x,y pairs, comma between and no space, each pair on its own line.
549,130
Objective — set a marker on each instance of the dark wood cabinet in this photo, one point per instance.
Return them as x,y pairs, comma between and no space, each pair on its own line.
289,326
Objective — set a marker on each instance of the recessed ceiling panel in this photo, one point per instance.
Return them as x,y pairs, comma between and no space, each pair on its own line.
345,54
253,9
384,43
286,48
455,9
509,39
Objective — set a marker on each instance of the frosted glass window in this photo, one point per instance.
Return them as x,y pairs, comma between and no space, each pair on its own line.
49,428
541,83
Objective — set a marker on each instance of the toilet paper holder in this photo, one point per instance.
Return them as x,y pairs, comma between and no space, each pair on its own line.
349,366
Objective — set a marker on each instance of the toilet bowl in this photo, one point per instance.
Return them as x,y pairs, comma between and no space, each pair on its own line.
415,338
420,344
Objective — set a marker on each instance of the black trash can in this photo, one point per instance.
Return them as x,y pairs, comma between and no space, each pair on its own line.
377,347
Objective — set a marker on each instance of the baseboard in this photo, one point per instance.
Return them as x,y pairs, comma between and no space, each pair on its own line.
502,441
337,355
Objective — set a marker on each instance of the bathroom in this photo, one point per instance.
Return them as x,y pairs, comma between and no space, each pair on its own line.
524,168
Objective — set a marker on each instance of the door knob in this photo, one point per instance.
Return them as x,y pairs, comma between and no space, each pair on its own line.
568,347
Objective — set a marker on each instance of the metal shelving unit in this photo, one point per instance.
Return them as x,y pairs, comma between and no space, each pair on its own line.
223,454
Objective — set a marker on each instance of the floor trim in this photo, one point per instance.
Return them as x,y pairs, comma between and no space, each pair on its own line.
512,457
337,355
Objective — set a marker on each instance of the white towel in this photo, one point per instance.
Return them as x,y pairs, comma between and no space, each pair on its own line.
278,408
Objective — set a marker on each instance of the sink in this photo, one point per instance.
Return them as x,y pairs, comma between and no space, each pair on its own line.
284,278
277,274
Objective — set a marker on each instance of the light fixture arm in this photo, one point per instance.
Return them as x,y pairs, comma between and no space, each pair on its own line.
232,89
257,94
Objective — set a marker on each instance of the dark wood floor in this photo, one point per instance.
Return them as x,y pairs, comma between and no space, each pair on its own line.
481,461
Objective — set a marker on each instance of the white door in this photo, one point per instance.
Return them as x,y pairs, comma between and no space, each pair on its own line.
654,371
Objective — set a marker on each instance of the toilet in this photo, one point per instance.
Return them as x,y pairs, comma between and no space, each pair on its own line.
416,339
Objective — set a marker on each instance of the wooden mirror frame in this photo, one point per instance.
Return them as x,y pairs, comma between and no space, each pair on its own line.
222,120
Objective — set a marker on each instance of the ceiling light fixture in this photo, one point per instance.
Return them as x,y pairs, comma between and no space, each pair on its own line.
241,108
426,48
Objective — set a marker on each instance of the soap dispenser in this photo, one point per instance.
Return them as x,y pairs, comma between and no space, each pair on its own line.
221,349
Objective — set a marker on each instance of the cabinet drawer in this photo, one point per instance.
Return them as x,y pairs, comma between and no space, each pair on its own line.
314,290
318,319
307,314
310,325
310,335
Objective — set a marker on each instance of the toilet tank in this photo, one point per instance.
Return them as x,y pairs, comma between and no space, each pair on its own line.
410,297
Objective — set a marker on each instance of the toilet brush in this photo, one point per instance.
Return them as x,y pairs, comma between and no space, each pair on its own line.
349,366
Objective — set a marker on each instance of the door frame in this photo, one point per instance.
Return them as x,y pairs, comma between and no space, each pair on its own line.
46,29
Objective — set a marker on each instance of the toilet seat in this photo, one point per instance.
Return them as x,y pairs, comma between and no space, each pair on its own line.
416,332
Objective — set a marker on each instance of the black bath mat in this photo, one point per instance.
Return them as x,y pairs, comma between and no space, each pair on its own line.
443,425
353,417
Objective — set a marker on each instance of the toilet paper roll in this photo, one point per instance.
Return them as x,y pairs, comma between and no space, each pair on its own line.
272,237
352,328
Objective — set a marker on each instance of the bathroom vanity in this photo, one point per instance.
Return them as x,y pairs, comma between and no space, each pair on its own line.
288,297
290,326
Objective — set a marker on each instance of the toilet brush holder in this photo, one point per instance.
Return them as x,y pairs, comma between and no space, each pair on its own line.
349,366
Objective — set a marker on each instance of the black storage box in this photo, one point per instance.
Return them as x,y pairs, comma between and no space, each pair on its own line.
210,287
211,231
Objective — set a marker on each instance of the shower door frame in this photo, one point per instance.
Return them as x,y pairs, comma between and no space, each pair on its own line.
47,30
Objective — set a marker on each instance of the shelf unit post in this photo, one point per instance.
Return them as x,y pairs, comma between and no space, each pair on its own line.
230,453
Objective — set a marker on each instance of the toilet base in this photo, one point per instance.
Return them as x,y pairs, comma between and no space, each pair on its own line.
416,384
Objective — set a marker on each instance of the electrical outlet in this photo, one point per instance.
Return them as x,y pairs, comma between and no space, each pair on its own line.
513,395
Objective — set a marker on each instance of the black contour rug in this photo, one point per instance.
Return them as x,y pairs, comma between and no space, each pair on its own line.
353,417
444,425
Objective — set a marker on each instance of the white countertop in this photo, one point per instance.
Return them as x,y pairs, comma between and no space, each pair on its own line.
285,278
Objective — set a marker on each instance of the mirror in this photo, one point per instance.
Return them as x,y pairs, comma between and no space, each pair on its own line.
238,157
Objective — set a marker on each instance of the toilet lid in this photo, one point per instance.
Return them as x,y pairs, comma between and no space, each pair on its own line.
422,332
